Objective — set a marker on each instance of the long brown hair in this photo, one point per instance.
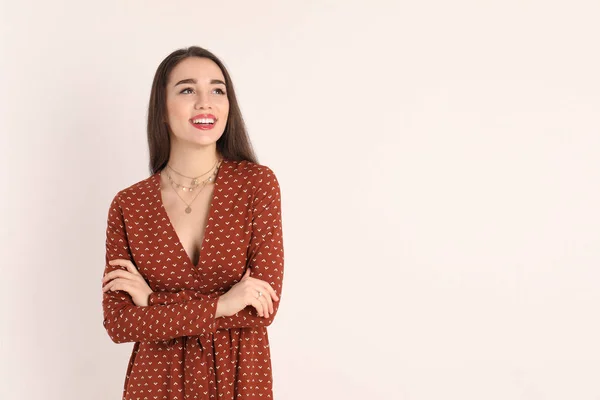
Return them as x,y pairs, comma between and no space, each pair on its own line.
234,144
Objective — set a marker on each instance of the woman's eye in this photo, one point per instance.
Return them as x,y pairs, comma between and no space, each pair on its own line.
190,90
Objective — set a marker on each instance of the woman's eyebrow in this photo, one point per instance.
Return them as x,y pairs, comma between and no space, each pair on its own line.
192,80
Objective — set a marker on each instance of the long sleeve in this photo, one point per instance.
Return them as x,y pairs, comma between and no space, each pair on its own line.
126,322
265,257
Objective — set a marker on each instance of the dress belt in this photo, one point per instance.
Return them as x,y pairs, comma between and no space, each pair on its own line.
199,367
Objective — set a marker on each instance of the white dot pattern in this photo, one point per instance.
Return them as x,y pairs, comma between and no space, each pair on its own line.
181,350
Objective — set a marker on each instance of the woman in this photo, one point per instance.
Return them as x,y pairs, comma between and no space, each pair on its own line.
194,253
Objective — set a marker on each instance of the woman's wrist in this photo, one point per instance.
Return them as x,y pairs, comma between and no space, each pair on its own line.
147,299
220,308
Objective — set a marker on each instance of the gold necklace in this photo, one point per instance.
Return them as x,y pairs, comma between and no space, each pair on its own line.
194,179
182,187
188,209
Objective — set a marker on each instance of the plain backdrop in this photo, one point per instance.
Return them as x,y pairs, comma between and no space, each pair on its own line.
439,167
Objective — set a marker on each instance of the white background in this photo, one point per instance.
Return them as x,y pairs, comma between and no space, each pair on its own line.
439,167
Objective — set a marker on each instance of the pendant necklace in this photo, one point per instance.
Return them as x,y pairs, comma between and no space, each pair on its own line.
194,179
176,186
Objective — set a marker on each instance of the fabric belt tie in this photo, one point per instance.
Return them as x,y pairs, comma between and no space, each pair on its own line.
199,368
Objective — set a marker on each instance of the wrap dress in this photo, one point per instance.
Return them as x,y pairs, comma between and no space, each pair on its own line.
181,351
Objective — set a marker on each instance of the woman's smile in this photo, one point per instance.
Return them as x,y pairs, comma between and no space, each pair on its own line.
204,121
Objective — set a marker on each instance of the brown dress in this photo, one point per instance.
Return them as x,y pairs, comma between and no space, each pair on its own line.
181,350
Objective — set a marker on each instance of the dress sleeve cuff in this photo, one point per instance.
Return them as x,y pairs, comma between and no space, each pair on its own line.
156,298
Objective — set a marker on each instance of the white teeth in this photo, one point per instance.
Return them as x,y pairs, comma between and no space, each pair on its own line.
203,121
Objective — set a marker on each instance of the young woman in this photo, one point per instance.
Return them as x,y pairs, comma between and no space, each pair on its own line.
194,253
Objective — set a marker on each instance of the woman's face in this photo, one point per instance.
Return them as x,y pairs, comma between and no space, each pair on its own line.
197,104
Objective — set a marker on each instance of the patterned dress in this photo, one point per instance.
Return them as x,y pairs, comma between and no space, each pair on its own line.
181,350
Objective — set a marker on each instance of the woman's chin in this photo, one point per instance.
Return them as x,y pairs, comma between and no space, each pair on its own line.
203,140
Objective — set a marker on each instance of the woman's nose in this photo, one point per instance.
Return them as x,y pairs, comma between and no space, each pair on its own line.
202,101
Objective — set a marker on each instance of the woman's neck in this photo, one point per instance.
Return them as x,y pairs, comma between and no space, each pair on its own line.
193,161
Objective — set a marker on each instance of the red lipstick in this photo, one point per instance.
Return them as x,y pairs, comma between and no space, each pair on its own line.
203,121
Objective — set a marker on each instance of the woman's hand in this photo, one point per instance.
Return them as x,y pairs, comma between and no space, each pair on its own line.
244,293
130,281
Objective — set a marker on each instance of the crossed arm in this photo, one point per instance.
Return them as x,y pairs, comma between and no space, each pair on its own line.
188,312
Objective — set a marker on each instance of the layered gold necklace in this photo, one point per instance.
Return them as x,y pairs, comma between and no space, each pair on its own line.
195,183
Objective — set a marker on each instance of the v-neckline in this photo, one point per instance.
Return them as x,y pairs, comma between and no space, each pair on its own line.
211,207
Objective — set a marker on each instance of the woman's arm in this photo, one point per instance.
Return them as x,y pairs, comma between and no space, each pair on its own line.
180,296
265,257
126,322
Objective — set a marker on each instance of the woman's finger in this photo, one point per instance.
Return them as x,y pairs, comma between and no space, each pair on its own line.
266,288
265,297
131,268
258,305
254,301
110,286
125,263
119,261
265,302
113,275
253,290
115,284
118,273
246,274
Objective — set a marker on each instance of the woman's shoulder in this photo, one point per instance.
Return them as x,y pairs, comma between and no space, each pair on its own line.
251,171
257,176
137,191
